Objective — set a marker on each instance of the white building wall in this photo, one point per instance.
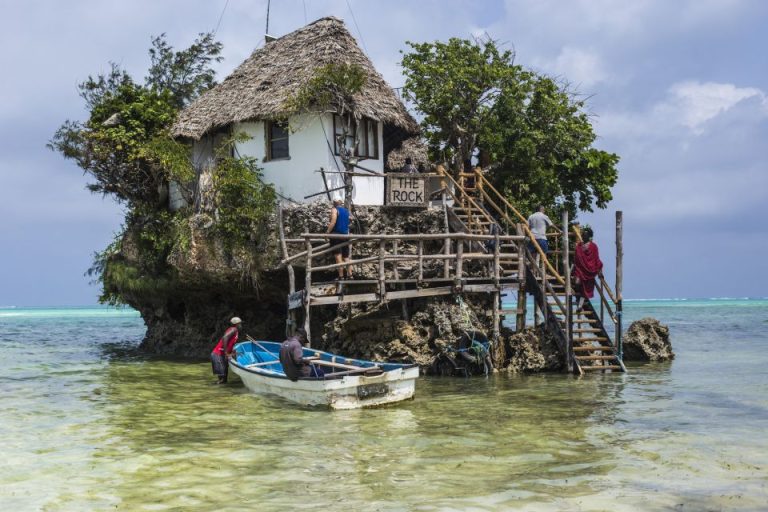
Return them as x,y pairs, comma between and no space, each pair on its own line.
310,148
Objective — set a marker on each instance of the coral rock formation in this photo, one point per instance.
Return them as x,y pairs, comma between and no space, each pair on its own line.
647,340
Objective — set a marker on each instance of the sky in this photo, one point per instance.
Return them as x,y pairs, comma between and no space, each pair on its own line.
678,89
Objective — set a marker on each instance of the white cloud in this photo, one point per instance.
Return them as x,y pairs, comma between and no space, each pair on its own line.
582,68
688,105
692,103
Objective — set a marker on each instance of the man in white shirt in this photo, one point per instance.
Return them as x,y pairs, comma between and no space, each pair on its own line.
539,222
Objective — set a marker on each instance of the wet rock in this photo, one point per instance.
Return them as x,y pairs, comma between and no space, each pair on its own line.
532,350
647,340
378,332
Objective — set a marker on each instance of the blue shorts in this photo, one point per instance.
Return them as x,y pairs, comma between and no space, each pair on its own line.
544,246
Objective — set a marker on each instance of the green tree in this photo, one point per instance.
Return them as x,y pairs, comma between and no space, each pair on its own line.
126,147
455,85
119,144
532,133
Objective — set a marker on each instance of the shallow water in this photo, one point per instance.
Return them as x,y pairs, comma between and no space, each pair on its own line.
88,424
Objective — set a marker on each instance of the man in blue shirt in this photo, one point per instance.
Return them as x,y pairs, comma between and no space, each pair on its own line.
339,225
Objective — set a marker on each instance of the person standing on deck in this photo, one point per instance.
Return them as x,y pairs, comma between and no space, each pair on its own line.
538,223
339,225
292,358
586,267
223,350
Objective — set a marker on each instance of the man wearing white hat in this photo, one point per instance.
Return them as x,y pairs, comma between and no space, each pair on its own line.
220,356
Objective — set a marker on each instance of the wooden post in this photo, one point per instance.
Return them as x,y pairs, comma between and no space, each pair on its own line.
522,296
382,282
496,317
567,275
619,279
290,324
347,185
447,246
421,261
459,275
496,260
543,308
401,286
308,291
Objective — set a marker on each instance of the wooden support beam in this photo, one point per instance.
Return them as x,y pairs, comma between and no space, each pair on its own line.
290,324
568,317
421,260
307,291
382,276
522,299
619,279
418,236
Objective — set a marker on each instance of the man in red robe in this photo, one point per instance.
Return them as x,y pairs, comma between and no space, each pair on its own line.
586,266
223,350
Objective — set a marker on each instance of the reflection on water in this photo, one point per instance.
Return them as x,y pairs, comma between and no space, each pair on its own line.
90,424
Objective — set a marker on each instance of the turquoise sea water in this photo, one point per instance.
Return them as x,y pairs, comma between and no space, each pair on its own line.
88,423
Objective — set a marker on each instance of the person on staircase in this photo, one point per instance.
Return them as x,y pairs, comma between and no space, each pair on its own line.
538,223
339,225
586,267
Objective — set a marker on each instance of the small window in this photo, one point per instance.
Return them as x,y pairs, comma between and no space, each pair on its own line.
368,143
277,141
339,124
371,138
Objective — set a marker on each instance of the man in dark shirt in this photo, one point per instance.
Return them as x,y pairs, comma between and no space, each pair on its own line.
409,168
291,357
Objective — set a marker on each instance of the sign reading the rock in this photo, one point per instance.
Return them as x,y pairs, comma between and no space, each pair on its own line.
406,190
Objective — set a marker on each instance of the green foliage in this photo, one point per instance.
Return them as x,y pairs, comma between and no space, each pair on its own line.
243,201
532,133
332,86
186,73
455,85
171,156
124,145
539,141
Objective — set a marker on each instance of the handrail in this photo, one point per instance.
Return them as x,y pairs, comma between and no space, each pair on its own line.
472,201
577,232
524,222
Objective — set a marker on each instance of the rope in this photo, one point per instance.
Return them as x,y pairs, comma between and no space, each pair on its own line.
221,16
357,27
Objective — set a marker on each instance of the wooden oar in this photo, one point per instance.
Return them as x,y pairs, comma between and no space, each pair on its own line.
365,371
262,347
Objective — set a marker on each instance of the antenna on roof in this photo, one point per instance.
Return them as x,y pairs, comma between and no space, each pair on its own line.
268,38
266,34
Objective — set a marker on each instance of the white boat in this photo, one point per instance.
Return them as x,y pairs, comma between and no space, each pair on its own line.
346,383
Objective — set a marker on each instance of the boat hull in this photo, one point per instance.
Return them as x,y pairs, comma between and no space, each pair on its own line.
395,384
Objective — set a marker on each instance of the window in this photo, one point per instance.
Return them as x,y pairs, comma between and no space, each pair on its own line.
277,141
368,145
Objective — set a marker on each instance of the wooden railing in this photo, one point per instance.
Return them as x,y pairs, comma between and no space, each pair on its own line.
401,259
461,198
509,213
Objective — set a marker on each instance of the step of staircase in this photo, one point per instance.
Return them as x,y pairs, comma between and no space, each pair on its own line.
596,358
590,339
595,348
601,367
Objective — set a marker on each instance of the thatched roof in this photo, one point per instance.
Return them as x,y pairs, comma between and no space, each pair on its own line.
262,85
413,148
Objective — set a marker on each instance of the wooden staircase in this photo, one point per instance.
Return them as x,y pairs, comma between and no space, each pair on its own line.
581,335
